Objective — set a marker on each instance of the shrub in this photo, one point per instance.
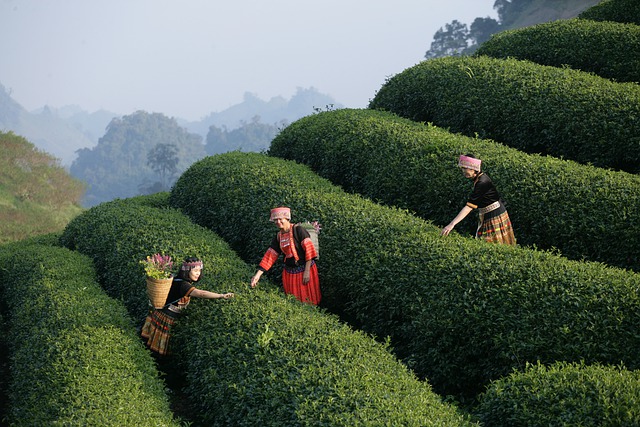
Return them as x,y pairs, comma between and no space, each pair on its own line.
534,108
627,11
608,49
568,394
75,357
460,312
260,358
413,166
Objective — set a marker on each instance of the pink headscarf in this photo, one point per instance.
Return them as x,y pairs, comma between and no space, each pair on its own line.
469,163
281,212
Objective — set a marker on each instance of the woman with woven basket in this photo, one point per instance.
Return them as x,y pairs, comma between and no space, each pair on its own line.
300,273
156,330
494,224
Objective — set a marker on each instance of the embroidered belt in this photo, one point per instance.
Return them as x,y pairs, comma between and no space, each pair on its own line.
492,207
297,269
174,308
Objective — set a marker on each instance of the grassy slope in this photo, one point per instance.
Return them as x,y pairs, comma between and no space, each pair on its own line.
37,196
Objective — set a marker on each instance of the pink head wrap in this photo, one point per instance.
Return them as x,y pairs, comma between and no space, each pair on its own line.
281,212
188,266
469,163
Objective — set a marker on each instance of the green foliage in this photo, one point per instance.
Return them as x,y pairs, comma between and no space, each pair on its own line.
37,196
117,167
4,371
413,166
259,359
626,11
459,311
563,394
75,356
608,49
534,108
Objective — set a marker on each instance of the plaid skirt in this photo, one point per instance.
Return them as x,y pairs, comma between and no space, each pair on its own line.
495,227
156,331
292,283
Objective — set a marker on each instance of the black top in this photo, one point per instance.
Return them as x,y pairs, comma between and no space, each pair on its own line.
484,192
179,289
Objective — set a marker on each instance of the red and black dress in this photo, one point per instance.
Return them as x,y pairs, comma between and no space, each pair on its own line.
157,326
494,224
297,248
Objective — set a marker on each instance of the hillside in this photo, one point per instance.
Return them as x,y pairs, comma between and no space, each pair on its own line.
451,39
37,196
545,11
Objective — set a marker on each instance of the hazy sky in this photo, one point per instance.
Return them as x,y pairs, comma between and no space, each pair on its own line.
188,58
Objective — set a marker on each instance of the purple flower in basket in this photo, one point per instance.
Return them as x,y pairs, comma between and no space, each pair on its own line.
158,266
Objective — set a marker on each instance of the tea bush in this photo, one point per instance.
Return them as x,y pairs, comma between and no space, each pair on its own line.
568,394
534,108
75,358
627,11
259,359
413,166
608,49
460,312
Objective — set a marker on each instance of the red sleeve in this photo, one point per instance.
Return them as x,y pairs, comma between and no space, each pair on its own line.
309,249
268,259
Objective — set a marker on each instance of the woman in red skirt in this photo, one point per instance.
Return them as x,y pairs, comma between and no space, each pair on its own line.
494,224
156,330
300,273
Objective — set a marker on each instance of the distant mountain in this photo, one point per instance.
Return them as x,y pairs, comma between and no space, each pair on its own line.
64,130
93,125
275,111
47,131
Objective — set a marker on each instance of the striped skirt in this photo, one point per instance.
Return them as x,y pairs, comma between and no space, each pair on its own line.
157,331
292,283
495,227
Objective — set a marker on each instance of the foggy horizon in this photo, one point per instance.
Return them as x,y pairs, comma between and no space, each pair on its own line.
192,59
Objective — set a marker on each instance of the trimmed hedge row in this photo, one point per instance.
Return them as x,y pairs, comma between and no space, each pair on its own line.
626,11
568,394
608,49
534,108
259,359
459,311
75,356
413,166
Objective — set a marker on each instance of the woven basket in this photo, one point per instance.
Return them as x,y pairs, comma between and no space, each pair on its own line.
158,290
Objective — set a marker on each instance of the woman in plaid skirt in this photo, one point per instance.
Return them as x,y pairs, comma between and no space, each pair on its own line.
494,224
156,330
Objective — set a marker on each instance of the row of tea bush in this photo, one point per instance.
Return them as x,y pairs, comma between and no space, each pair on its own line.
567,394
259,358
583,211
625,11
534,108
459,312
75,357
608,49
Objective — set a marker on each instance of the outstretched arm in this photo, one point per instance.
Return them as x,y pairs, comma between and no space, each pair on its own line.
461,215
201,293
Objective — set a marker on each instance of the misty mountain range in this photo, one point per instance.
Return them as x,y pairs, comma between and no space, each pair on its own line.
62,131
